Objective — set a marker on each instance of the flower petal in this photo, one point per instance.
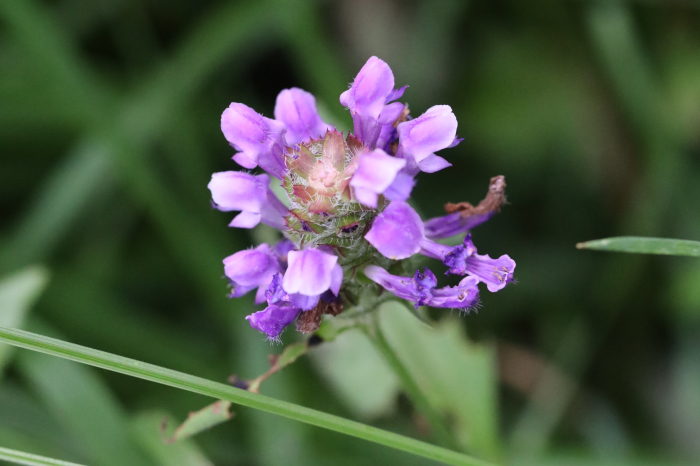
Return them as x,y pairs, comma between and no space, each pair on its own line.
369,91
238,191
296,108
252,266
260,138
397,232
432,131
303,302
273,319
309,272
400,188
462,296
246,220
433,163
375,173
336,279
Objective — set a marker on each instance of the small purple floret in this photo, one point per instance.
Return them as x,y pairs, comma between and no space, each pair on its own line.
250,194
296,108
368,100
377,170
310,272
434,130
463,259
454,224
421,289
260,140
397,232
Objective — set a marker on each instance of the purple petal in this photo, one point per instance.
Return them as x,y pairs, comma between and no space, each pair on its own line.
252,266
454,224
463,259
421,290
400,188
390,113
462,296
369,91
275,293
496,273
303,302
238,290
309,272
399,286
282,249
273,319
245,160
336,279
246,220
456,142
238,191
397,231
250,194
433,163
273,211
260,138
375,173
432,131
296,108
396,94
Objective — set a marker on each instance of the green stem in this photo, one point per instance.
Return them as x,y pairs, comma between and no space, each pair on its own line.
221,391
20,457
420,400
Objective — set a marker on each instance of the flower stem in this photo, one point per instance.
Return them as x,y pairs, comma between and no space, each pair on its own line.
436,420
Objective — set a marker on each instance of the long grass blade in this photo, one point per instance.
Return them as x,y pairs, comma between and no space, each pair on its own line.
20,457
217,390
641,245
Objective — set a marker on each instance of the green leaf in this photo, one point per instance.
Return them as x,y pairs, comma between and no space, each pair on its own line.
17,295
201,420
457,376
19,457
641,245
217,390
144,428
362,379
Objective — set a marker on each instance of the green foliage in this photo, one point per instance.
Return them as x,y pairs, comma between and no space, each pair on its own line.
638,245
17,295
73,352
19,457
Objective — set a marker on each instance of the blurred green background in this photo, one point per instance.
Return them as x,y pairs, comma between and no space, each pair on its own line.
109,133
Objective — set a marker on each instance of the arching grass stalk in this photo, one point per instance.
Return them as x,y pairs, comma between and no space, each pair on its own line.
142,370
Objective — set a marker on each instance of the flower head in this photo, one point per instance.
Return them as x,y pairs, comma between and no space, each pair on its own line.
347,205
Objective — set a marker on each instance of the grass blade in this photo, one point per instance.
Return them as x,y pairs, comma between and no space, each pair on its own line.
641,245
221,391
19,457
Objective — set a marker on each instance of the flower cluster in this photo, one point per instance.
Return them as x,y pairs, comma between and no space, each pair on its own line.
347,212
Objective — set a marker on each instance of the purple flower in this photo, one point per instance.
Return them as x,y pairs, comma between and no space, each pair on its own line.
463,259
337,187
252,268
296,108
279,312
311,272
422,290
434,130
367,99
260,140
397,232
376,171
249,194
